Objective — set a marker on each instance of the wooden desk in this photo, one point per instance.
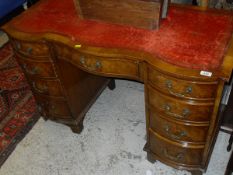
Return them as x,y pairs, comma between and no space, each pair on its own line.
183,65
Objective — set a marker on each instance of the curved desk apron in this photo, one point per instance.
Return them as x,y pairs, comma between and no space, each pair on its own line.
183,65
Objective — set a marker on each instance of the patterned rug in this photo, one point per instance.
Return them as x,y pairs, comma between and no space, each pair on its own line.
17,105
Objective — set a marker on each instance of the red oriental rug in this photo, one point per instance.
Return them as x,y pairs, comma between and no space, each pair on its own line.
17,105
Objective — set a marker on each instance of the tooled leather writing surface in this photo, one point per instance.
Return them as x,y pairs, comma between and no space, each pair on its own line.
186,38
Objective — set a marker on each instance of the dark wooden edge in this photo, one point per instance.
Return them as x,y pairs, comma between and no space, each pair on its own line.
6,153
214,127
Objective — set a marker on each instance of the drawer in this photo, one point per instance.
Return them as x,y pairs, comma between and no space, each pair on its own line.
53,107
38,50
47,87
110,66
182,88
169,151
178,131
185,110
37,68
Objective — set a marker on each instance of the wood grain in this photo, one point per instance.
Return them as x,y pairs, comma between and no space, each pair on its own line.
138,13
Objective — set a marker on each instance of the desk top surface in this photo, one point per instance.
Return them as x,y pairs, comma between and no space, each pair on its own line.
187,38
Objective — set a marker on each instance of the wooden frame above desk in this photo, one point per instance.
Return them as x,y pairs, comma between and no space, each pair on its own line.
184,66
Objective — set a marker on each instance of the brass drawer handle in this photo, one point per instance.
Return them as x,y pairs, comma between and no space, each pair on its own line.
179,156
33,71
29,50
167,107
97,65
189,90
41,90
39,108
169,86
177,135
82,60
185,113
18,45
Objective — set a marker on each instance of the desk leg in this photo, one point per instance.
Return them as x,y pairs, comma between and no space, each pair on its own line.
196,172
112,84
230,142
78,129
229,169
150,157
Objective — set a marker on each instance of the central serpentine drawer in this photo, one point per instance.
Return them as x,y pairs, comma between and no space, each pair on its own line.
106,65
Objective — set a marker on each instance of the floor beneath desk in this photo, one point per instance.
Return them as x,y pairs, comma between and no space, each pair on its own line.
111,143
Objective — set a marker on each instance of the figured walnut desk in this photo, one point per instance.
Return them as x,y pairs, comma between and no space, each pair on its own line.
183,65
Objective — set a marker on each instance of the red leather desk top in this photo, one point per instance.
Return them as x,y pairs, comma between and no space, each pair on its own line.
187,38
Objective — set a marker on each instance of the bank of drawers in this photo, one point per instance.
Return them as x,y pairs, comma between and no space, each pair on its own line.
106,65
35,61
179,117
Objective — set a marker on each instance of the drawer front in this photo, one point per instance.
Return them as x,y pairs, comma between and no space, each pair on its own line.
178,131
47,87
174,153
112,66
38,69
53,108
182,88
180,109
38,50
